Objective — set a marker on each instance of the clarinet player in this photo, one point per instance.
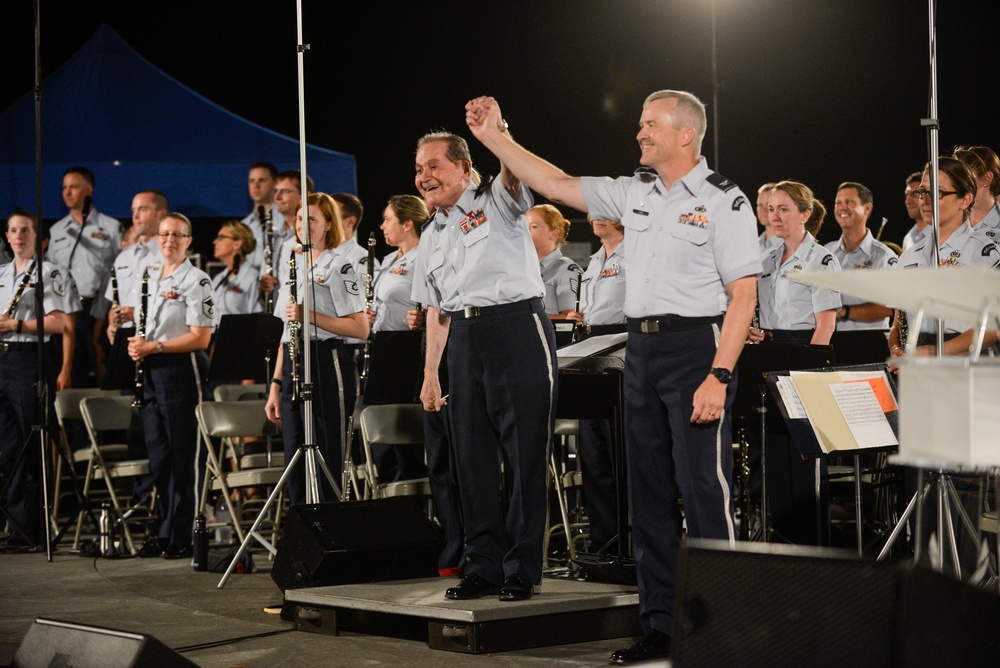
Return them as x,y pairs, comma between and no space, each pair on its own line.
178,314
19,367
338,314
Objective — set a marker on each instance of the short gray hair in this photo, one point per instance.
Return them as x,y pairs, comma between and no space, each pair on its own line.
690,111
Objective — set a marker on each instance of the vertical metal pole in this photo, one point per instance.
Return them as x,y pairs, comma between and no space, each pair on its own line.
715,97
934,127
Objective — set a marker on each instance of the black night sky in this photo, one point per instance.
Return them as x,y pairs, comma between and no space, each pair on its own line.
822,91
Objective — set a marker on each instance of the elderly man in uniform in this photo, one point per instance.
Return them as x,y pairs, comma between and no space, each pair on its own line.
690,291
479,277
86,243
858,248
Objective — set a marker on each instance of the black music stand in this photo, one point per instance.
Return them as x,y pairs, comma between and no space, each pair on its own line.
860,346
752,397
245,347
564,330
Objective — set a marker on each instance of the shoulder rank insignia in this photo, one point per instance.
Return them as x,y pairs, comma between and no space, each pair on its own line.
720,182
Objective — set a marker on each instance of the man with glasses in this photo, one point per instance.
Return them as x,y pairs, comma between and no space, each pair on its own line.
916,232
287,199
858,248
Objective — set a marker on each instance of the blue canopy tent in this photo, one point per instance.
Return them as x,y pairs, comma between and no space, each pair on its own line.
135,127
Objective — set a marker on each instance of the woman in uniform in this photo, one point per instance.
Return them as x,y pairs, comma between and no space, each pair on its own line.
561,276
338,313
179,312
235,288
602,302
19,367
794,313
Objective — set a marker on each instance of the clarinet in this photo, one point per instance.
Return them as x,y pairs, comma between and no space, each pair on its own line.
114,287
19,292
293,332
138,401
579,328
369,303
268,254
903,327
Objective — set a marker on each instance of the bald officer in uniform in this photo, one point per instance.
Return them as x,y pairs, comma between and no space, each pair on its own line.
690,237
480,280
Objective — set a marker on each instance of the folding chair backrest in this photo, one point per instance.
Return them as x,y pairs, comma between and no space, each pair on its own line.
68,401
234,419
393,424
233,392
112,413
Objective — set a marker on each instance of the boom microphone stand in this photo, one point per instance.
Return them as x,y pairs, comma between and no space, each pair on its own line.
309,448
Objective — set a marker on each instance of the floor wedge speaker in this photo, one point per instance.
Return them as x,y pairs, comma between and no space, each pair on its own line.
54,643
770,605
358,541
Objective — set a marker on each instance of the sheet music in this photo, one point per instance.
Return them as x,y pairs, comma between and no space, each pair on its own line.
593,345
863,413
790,397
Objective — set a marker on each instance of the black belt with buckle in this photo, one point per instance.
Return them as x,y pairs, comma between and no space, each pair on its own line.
601,330
663,323
470,312
18,346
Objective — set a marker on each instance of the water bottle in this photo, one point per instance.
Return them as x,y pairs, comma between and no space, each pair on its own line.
200,541
107,544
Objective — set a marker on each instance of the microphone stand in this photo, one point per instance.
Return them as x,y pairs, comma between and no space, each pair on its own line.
309,448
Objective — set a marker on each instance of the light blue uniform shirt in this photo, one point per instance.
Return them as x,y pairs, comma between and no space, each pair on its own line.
177,302
785,303
988,229
767,245
602,294
238,295
964,248
870,254
561,278
59,295
482,254
684,244
393,285
256,225
128,272
913,236
100,244
336,292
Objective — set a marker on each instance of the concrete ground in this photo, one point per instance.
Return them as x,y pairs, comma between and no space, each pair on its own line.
216,628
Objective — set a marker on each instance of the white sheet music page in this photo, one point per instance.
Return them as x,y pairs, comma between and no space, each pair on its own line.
864,416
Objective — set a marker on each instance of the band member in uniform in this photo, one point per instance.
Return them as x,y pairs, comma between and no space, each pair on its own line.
794,313
235,288
179,317
561,276
394,371
19,366
484,295
602,302
338,314
689,298
961,245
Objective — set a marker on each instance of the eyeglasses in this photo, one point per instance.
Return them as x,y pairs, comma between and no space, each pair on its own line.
920,194
225,236
175,235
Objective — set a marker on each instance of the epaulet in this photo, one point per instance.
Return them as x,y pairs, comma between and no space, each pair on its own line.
484,185
646,174
720,182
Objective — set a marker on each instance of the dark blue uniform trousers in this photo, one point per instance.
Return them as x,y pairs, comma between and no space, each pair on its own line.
18,412
669,458
169,424
502,371
334,376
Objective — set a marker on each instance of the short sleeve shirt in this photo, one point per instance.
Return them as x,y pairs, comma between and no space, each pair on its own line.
178,302
602,293
870,254
59,295
561,277
100,242
786,303
337,291
393,285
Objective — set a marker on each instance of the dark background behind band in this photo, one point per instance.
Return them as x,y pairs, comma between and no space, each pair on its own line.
821,91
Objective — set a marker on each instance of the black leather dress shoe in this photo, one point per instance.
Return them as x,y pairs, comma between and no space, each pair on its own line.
653,646
515,588
176,551
471,586
151,547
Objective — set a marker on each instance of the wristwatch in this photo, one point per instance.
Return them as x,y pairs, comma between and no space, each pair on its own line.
722,375
159,347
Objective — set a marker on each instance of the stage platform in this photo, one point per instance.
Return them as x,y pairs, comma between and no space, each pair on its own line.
563,611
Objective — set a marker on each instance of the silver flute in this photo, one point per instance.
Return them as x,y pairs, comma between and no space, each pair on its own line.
138,401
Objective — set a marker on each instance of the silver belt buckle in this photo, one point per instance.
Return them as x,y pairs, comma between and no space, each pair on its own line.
471,311
649,326
5,347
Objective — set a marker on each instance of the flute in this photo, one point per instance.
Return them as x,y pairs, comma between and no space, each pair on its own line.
138,401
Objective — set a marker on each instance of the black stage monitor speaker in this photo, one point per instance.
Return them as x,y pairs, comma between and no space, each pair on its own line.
358,541
53,643
770,605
